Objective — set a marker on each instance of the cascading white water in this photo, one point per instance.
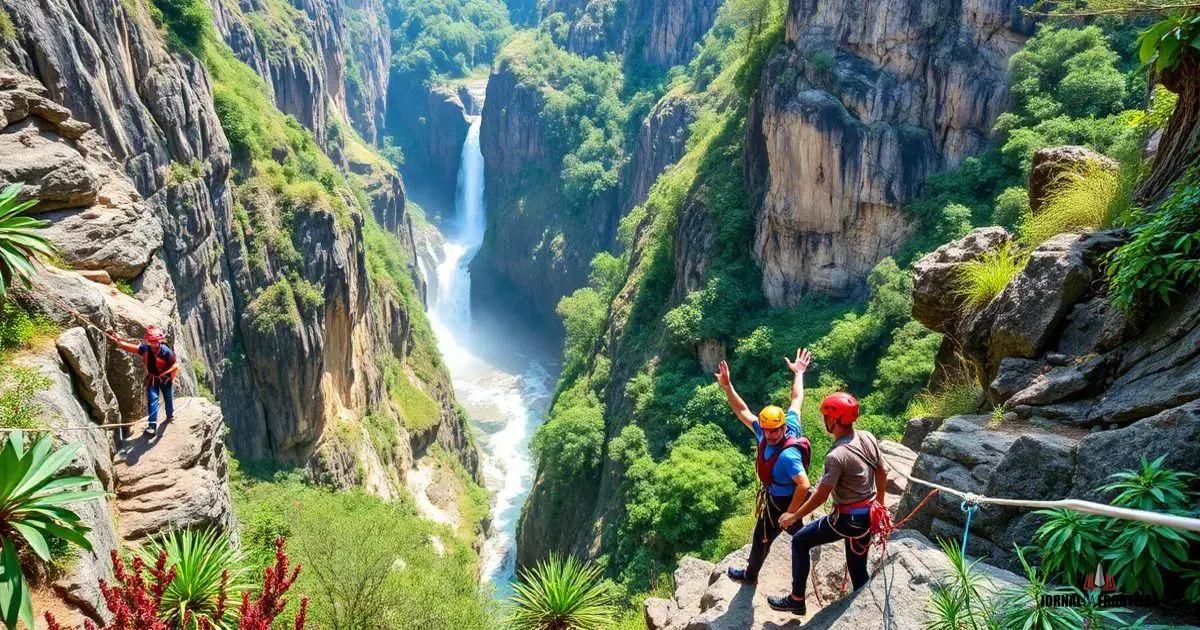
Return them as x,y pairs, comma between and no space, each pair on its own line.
504,388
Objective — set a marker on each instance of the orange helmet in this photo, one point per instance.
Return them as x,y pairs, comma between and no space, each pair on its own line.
154,334
840,407
771,417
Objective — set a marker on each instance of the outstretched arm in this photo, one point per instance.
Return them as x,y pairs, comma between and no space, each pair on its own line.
736,404
798,367
131,348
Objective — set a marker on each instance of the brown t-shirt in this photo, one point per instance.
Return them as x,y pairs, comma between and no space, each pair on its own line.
852,477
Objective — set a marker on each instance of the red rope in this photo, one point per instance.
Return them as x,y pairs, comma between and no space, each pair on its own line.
882,527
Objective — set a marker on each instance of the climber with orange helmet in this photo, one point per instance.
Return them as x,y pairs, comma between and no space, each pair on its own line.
780,461
856,476
161,367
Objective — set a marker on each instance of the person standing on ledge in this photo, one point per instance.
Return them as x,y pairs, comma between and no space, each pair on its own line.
161,367
780,461
856,476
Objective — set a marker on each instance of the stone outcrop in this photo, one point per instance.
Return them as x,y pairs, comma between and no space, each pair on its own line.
176,479
935,277
657,33
538,246
431,124
1052,164
853,113
896,596
661,141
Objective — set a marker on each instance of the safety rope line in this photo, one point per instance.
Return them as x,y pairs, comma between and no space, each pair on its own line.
96,427
1078,505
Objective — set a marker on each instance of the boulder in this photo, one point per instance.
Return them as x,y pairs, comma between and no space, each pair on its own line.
903,580
48,169
1028,314
1063,383
1013,375
936,274
177,479
76,350
1093,326
1052,164
917,429
1173,435
900,459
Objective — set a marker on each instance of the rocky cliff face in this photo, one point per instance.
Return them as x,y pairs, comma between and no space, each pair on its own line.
432,124
149,196
1087,392
855,110
659,34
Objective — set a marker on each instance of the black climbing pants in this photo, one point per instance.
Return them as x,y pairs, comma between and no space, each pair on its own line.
766,530
822,532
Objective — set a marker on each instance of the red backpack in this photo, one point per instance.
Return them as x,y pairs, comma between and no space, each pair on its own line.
765,466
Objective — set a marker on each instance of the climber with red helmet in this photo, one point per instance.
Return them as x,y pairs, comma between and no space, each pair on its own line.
856,476
780,461
161,367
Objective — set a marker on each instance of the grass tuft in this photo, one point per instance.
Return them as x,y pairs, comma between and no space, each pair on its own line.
981,280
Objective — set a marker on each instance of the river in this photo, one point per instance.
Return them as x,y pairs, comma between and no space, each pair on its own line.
503,375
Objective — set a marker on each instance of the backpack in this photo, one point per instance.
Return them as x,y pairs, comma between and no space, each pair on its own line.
765,466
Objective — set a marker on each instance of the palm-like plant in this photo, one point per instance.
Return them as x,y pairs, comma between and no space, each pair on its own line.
1070,543
208,572
1152,487
560,594
32,510
19,240
1023,607
962,600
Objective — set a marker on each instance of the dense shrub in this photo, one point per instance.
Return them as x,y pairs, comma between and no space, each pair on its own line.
367,563
1162,259
189,21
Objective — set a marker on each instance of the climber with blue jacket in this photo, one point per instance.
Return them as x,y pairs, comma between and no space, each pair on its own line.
780,461
161,367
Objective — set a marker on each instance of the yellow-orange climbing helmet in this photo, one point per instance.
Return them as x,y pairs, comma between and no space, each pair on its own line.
771,417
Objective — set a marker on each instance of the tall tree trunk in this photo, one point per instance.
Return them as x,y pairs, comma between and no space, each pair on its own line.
1179,147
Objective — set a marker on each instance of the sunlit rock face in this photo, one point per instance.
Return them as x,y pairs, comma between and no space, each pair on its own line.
861,104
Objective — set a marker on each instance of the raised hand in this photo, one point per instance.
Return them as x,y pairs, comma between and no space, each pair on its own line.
723,375
803,359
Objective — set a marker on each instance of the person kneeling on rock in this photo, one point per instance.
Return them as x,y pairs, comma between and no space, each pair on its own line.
780,461
856,476
161,367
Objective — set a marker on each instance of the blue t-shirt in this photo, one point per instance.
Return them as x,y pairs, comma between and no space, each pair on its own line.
790,463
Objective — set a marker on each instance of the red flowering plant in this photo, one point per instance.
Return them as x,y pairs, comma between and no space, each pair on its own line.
135,601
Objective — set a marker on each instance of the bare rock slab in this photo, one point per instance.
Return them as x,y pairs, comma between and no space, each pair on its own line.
177,479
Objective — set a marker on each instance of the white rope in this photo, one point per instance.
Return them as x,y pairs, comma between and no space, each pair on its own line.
1087,507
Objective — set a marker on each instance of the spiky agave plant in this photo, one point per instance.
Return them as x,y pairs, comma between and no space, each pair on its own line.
560,594
210,577
33,512
19,239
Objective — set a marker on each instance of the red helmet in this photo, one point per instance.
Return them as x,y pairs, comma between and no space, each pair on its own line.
154,334
841,408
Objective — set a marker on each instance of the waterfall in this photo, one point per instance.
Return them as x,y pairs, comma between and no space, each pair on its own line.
504,385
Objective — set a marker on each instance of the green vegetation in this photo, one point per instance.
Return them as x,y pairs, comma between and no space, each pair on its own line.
8,32
1144,558
585,111
367,563
436,40
19,329
33,514
418,411
189,22
982,279
180,172
1090,198
560,594
1162,259
206,566
962,396
20,241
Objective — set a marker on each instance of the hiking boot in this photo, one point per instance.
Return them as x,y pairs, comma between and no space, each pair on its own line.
152,429
787,603
740,575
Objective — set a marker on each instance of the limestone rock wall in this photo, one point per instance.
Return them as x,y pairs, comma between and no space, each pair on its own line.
118,133
859,106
